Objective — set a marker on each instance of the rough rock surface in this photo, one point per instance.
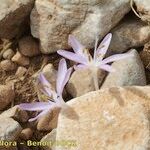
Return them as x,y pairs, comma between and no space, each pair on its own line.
110,119
12,15
15,113
9,129
53,21
130,33
7,95
129,71
50,73
81,82
28,46
143,8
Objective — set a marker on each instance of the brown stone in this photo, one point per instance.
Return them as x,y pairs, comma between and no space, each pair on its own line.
28,46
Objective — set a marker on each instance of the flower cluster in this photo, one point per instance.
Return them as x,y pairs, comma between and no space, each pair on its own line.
54,95
84,60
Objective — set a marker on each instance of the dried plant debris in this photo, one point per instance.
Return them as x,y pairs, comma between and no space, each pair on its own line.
141,9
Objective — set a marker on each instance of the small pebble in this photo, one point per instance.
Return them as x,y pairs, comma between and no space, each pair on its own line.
26,134
21,71
29,46
20,59
8,54
8,65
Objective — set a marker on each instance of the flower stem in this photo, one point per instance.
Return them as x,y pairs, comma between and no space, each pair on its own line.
95,78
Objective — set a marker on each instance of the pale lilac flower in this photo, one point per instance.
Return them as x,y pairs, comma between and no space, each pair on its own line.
54,95
82,56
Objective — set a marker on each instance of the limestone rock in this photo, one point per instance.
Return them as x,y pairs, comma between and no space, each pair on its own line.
143,9
129,71
20,59
53,21
8,65
28,46
111,119
12,15
15,113
81,82
128,34
7,95
9,129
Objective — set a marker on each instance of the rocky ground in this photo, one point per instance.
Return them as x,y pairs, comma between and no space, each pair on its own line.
115,117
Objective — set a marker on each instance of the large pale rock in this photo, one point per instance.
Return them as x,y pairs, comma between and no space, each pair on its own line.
12,15
109,119
53,21
9,129
82,82
143,8
129,71
7,95
128,34
50,137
